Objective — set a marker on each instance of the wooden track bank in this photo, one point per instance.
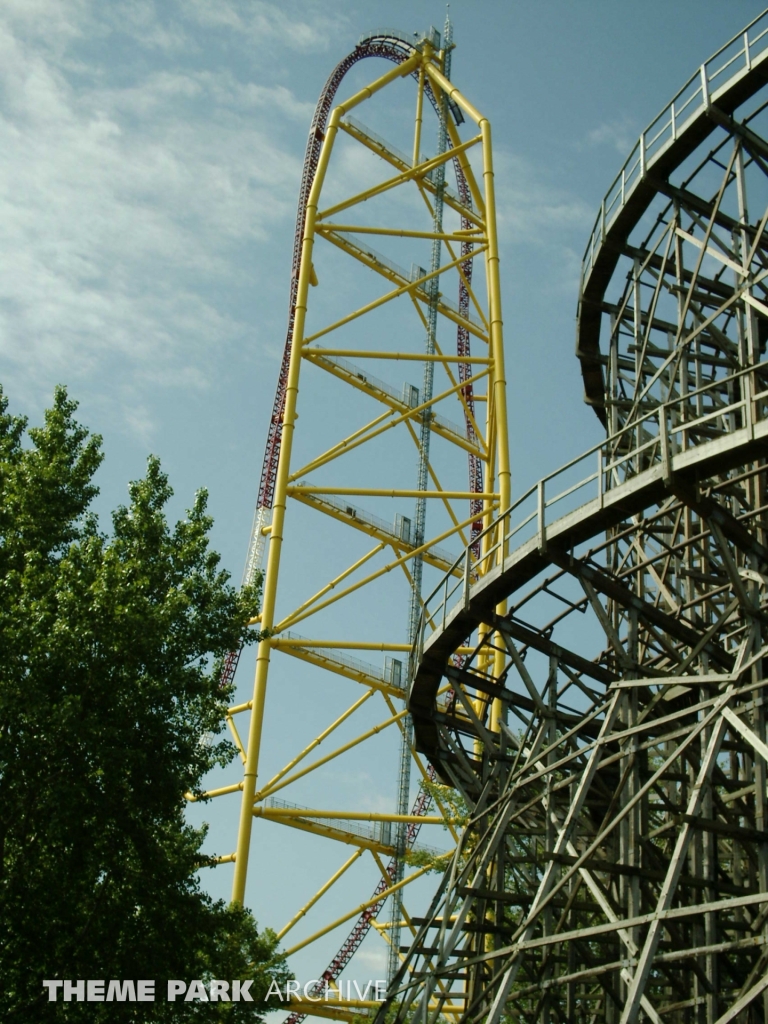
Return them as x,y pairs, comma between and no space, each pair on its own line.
607,732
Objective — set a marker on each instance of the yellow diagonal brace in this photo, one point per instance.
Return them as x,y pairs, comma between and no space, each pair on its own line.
413,285
320,892
295,617
340,445
354,441
392,159
357,910
269,790
438,487
317,741
459,387
470,291
236,736
401,71
323,505
342,576
397,277
400,179
450,90
469,174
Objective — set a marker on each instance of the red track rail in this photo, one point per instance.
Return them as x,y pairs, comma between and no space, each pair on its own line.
363,925
465,370
377,46
394,50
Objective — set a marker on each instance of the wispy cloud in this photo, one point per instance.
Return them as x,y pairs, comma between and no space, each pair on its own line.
372,959
302,27
535,211
128,200
619,134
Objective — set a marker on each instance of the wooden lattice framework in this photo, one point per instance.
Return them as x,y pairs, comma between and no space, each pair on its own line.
608,732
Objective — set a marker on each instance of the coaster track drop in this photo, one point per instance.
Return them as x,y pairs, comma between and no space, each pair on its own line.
468,237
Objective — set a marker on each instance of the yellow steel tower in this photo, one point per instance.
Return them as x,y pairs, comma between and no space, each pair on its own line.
342,522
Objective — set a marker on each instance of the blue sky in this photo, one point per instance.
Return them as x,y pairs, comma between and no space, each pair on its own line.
150,155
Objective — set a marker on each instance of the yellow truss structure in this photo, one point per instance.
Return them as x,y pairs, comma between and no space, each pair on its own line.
320,483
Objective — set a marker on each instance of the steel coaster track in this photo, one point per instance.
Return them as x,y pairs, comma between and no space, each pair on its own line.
396,48
363,924
392,47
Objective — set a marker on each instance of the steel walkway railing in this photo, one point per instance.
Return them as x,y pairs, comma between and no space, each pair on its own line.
685,429
713,78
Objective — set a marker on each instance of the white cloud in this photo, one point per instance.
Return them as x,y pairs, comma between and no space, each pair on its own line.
303,27
127,203
50,20
535,211
374,959
530,203
620,133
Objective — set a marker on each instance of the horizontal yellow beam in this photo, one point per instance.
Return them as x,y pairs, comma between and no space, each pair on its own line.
308,812
327,662
351,645
210,793
400,179
338,834
415,357
471,235
411,286
380,492
226,858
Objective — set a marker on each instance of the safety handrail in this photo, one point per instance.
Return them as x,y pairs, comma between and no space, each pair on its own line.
654,439
740,54
414,39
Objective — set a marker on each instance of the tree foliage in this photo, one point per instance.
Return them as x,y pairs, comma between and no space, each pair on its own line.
110,711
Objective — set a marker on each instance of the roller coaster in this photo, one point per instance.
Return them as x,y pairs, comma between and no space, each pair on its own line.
440,236
587,673
615,867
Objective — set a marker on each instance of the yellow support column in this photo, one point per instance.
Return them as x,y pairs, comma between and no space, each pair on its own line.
276,536
343,591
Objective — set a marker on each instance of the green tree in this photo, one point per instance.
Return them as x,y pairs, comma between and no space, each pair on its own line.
110,711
